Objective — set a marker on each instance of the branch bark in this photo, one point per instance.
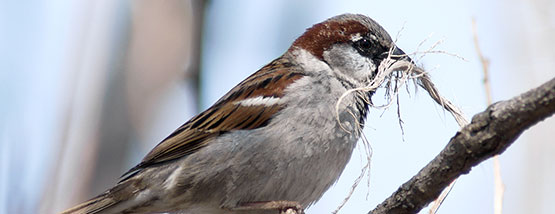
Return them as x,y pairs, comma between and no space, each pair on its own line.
490,133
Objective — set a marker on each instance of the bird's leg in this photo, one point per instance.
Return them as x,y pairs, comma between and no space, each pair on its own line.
284,207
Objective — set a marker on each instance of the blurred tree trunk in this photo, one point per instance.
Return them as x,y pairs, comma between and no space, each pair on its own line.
137,59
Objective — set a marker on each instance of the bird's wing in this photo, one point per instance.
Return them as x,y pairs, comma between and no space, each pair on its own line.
249,105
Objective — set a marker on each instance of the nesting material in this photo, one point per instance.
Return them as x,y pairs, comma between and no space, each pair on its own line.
394,74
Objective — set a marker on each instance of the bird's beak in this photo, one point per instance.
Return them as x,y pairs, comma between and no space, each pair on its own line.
399,54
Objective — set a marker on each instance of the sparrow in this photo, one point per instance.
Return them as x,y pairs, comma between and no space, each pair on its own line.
276,142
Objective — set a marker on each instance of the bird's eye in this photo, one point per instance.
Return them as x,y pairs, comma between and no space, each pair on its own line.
364,43
366,47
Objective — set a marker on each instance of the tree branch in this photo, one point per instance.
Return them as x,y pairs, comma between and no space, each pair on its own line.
489,134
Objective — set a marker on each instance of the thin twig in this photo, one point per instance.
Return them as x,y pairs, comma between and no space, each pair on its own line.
484,61
499,187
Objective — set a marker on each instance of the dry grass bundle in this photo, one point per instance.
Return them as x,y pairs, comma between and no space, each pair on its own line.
393,75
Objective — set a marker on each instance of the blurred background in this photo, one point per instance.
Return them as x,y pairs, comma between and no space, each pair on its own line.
89,87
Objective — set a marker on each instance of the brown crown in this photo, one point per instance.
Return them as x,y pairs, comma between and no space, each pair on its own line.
323,35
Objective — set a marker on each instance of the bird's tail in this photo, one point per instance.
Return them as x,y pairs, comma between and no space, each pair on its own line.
112,201
94,206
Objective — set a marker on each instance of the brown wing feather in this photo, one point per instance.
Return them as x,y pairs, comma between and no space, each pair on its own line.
225,115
